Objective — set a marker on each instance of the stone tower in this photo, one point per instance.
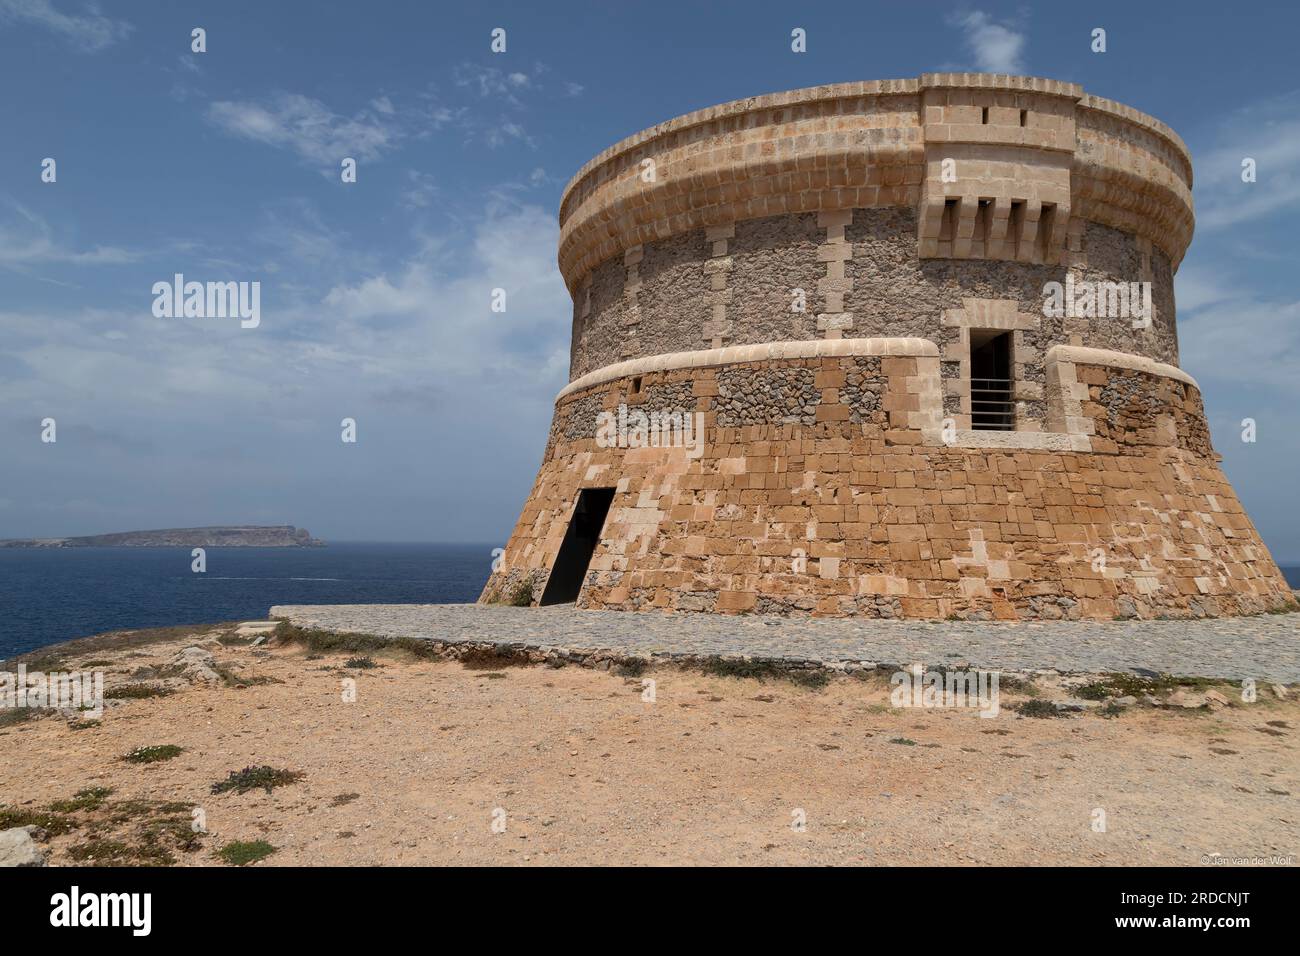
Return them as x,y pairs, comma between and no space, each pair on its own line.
902,348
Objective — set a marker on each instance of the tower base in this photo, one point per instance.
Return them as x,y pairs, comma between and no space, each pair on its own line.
827,480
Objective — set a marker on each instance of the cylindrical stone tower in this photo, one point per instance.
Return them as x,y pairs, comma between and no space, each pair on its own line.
901,348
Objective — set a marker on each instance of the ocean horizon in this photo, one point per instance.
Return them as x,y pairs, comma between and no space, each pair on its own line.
57,594
48,596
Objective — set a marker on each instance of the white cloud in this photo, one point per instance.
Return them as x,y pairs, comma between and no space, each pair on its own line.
90,31
505,131
27,240
308,127
294,231
421,190
1267,132
995,46
490,82
1229,333
513,248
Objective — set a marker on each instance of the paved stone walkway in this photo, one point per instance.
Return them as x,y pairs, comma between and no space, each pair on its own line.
1265,647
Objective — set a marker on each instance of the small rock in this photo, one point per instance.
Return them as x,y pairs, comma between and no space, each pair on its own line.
1214,697
18,848
196,665
1074,705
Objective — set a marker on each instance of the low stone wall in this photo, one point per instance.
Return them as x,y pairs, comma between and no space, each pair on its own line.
846,499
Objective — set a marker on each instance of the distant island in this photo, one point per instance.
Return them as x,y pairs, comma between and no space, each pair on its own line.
220,536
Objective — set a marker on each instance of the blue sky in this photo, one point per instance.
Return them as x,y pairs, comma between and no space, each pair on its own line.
375,295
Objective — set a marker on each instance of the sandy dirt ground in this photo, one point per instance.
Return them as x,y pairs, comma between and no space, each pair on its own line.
581,769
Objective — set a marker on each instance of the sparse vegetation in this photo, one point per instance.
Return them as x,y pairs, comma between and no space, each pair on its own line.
904,741
243,852
765,670
90,798
52,823
232,679
1038,708
329,642
360,663
154,754
631,667
137,692
1134,685
495,658
10,716
138,833
100,852
522,594
257,778
45,662
88,647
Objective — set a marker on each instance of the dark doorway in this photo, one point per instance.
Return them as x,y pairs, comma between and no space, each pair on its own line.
579,543
991,404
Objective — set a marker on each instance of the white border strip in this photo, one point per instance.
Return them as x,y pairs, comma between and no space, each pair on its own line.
1079,355
763,352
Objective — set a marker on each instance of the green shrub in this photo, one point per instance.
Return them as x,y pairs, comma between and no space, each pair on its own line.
243,852
154,754
255,778
522,595
1038,708
137,692
89,799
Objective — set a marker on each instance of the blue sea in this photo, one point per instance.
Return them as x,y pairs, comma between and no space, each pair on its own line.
52,595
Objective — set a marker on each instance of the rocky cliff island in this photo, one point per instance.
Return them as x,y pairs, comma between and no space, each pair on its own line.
220,536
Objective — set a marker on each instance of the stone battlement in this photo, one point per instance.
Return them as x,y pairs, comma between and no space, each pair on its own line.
872,144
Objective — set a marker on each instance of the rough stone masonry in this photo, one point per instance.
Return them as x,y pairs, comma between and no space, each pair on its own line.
837,278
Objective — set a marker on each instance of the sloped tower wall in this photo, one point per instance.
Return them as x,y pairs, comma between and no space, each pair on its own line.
810,281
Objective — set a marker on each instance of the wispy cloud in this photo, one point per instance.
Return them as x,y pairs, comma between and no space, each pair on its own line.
443,300
1267,132
506,89
89,31
996,47
1220,316
309,127
420,191
506,85
28,240
296,234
